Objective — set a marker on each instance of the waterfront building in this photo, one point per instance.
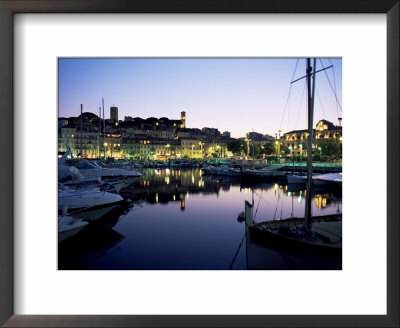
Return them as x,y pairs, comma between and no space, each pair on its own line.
191,148
110,145
70,138
137,138
297,139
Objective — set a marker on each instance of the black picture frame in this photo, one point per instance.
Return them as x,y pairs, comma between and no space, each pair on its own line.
7,10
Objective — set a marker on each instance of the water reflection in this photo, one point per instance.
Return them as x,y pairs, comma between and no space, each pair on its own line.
181,219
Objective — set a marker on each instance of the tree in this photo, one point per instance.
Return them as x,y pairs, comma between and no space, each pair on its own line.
268,149
237,146
256,150
285,150
331,148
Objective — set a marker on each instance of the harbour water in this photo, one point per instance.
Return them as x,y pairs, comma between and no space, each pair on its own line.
182,220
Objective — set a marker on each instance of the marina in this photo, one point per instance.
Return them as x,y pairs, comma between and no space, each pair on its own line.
155,194
183,219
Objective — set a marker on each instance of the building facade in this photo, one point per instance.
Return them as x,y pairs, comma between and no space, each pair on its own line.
297,140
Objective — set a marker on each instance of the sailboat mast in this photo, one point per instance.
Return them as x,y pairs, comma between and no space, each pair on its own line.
98,152
104,129
310,91
81,128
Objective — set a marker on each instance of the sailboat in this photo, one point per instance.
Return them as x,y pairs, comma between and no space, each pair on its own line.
312,235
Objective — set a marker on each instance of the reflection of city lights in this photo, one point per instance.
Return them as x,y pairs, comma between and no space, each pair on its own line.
320,201
167,171
156,197
192,178
276,186
174,197
289,193
182,205
187,195
167,180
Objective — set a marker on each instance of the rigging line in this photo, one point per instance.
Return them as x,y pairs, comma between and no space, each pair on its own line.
320,102
288,97
237,252
254,218
301,103
288,116
277,204
326,74
284,111
264,200
334,84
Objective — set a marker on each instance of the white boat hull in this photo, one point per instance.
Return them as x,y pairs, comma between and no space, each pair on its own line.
87,204
69,226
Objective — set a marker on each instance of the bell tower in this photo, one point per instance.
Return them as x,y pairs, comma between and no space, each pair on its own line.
183,119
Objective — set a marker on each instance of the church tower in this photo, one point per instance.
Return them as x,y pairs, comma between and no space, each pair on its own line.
183,119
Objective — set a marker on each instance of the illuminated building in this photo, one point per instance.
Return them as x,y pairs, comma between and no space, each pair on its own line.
324,130
191,148
183,119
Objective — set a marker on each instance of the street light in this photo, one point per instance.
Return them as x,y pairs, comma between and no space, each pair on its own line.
320,154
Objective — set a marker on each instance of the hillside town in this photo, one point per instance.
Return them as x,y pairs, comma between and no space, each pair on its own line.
135,138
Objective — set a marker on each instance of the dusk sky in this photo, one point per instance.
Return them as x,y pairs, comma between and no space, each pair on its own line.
237,95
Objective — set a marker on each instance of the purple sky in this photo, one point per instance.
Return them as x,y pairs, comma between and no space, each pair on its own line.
237,95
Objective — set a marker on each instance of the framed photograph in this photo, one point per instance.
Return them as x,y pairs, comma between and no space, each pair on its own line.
189,189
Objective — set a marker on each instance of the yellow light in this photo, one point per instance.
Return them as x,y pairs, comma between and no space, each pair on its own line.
105,144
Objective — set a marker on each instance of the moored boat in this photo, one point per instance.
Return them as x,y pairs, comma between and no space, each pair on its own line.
86,204
92,170
312,235
69,226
